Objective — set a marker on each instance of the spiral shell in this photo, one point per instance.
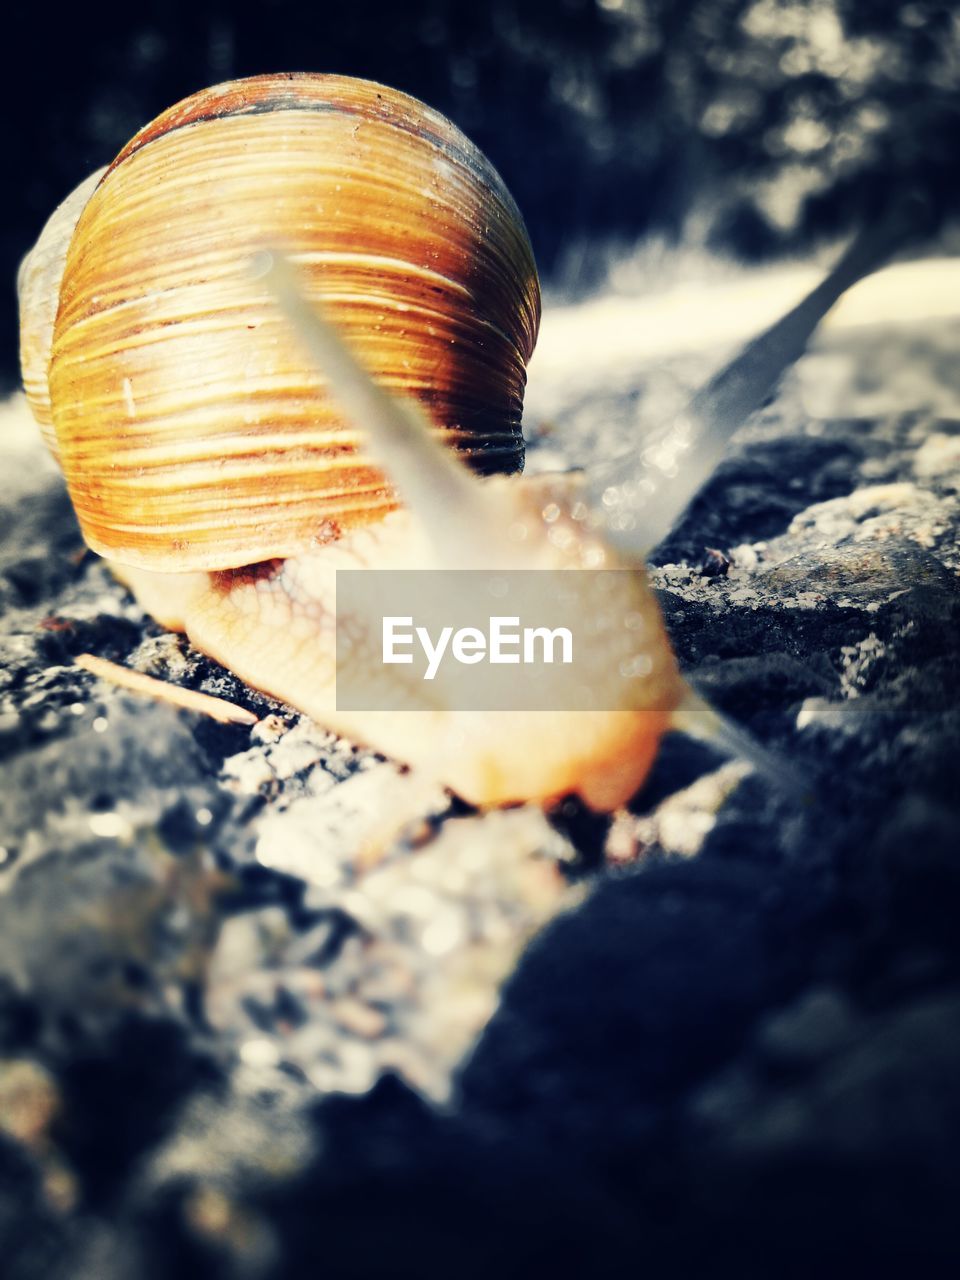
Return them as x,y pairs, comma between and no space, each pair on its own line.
191,430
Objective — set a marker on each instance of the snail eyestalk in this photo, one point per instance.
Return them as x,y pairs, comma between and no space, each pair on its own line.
436,487
640,500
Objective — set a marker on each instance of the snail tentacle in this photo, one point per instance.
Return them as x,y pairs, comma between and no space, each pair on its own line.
640,499
698,718
446,498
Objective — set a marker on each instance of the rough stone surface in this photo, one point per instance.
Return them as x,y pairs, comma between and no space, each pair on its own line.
245,1031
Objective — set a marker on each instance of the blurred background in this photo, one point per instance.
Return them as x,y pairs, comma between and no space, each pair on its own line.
752,126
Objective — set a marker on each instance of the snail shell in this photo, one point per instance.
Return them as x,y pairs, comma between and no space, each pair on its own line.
191,432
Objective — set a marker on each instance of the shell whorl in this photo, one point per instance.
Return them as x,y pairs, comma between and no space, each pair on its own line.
191,430
38,290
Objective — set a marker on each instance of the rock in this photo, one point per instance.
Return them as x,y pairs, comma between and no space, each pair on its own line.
232,994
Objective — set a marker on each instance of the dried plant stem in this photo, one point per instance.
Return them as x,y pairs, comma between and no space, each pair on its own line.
189,699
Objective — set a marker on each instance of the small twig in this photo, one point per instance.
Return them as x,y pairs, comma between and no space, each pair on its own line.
207,705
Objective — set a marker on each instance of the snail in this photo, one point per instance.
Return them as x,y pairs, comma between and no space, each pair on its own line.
284,333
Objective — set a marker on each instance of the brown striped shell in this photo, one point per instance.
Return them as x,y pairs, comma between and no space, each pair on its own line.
190,427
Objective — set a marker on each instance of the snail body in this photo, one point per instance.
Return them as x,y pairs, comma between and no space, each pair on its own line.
228,454
275,627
